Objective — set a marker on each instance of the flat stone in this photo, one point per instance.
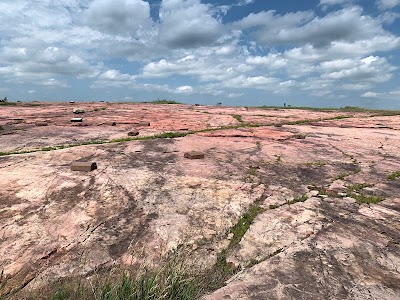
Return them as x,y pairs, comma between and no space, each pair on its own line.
194,155
133,133
144,124
345,126
111,123
41,123
83,166
76,120
78,111
313,193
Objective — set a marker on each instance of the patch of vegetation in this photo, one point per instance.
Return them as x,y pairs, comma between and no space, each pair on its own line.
356,191
174,280
302,198
323,190
318,163
220,273
341,176
243,224
164,101
394,175
100,108
4,101
165,135
238,118
274,206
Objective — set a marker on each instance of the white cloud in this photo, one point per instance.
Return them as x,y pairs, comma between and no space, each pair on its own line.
188,24
389,95
341,32
184,89
370,95
114,78
387,4
119,16
334,2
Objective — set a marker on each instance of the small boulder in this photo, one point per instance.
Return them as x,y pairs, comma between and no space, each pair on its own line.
83,166
76,120
78,111
133,133
72,102
194,155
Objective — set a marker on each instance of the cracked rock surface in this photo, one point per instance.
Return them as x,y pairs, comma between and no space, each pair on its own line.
328,216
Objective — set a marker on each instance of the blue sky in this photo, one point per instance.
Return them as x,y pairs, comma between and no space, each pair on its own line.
241,52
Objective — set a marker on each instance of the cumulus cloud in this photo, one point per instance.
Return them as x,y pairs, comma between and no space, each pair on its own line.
331,52
389,95
114,78
188,24
387,4
185,89
119,16
345,25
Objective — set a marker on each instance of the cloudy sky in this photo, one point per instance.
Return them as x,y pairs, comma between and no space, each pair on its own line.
238,52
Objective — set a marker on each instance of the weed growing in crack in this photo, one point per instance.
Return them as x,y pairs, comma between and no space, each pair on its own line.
302,198
241,227
254,261
394,175
356,191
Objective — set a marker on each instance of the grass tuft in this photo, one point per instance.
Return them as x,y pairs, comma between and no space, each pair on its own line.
241,227
394,175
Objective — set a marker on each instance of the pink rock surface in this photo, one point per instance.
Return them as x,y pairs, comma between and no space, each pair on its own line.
145,199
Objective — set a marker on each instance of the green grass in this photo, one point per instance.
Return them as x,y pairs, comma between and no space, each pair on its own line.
173,280
164,101
165,135
243,224
8,103
394,175
356,191
302,198
238,118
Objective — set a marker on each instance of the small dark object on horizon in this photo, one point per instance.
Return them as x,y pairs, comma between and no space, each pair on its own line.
71,102
83,166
